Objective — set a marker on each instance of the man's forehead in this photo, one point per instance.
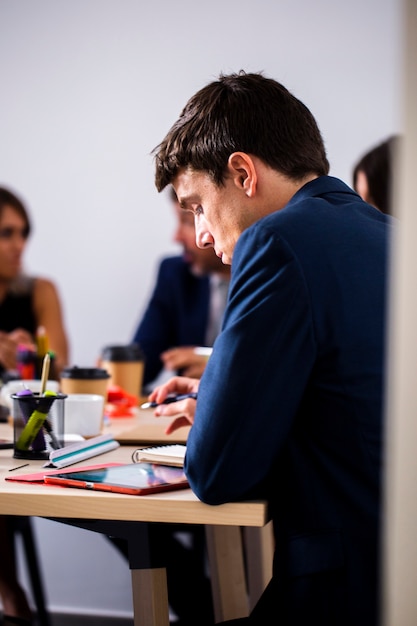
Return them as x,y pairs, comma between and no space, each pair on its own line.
189,185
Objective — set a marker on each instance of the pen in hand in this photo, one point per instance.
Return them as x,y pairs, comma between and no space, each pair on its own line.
168,400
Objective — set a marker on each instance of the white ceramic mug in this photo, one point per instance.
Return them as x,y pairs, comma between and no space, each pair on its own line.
84,414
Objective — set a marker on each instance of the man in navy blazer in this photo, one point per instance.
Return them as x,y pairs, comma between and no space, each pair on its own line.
290,404
178,316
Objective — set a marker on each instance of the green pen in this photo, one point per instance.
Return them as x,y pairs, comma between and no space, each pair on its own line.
35,422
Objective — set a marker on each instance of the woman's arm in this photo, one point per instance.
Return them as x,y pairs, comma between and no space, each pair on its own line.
48,311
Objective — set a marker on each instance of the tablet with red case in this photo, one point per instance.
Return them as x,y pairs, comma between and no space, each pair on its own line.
137,479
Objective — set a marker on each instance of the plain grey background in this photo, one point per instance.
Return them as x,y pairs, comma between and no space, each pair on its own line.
88,89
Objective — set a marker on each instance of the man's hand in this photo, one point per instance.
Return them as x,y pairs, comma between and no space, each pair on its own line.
182,411
184,358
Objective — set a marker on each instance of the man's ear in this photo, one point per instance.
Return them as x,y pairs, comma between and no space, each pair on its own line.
243,172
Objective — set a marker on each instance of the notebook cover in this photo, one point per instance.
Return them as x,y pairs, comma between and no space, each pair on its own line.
6,444
38,477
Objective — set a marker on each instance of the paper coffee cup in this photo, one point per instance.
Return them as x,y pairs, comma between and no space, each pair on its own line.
85,380
125,365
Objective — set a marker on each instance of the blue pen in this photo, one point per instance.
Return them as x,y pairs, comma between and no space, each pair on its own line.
168,400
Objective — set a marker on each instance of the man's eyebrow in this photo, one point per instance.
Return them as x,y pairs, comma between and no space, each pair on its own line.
184,202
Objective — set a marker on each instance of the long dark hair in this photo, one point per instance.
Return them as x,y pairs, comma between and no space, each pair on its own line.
7,198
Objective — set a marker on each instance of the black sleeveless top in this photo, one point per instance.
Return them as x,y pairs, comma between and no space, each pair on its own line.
16,310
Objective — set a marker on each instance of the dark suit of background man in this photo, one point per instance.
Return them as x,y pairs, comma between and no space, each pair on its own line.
290,404
186,306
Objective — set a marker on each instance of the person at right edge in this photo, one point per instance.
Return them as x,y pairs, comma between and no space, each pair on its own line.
373,174
290,405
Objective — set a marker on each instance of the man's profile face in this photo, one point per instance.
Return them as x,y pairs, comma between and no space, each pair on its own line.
202,261
218,215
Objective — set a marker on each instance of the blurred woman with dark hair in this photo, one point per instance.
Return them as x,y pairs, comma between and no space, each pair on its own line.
26,304
372,175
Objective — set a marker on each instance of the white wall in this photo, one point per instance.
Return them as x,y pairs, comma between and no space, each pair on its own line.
90,87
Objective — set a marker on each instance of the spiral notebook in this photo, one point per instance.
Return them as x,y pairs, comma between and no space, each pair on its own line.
166,455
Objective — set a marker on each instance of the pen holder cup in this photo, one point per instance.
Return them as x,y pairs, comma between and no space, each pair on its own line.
38,424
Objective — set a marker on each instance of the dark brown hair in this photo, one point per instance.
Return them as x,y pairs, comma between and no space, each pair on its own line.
7,198
242,112
377,165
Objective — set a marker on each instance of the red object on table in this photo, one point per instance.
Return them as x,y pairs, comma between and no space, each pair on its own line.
119,402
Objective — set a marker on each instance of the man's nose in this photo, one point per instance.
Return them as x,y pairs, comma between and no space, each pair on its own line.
203,238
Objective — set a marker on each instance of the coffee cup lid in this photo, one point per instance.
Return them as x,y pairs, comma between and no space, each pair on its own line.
131,352
85,373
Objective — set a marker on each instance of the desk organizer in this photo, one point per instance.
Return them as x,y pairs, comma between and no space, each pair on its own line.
38,424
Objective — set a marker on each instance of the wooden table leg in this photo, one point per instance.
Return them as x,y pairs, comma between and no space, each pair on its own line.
150,597
227,572
149,580
259,552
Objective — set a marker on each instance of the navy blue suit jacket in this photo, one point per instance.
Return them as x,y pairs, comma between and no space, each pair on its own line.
290,403
177,314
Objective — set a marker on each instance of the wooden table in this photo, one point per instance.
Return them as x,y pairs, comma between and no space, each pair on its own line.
143,428
131,517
